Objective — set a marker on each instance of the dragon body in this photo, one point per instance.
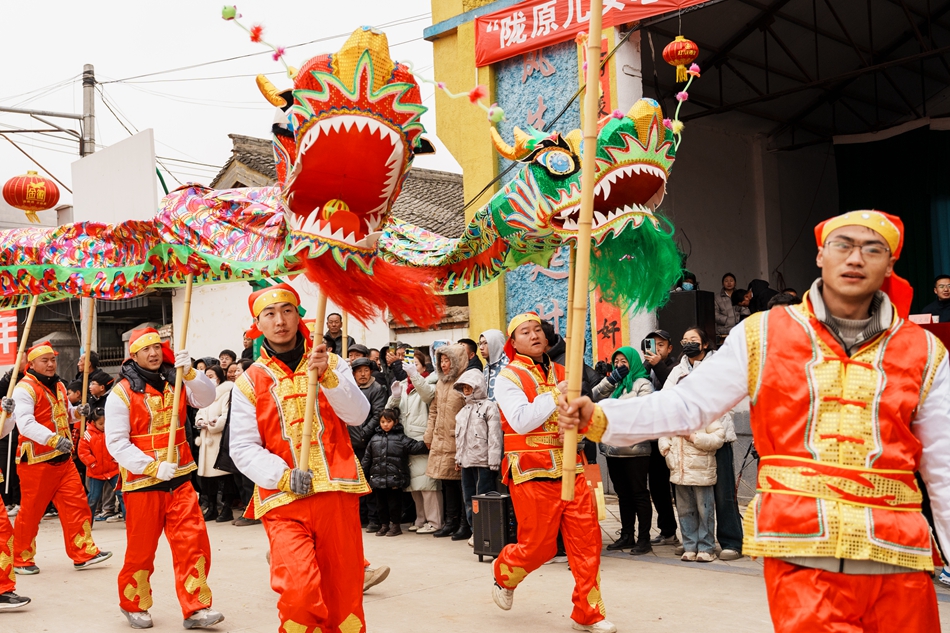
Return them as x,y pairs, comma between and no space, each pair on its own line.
344,138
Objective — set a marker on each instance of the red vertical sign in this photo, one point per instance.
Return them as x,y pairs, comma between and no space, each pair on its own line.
8,340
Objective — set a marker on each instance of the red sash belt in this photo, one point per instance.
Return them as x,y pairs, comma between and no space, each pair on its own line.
532,442
156,441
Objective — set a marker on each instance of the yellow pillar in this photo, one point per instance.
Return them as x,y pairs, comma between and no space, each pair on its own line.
465,131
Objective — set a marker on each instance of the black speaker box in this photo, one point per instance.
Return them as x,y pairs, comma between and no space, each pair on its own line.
686,309
494,524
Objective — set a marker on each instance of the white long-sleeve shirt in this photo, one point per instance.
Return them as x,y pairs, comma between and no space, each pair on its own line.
247,447
521,415
200,392
25,416
721,382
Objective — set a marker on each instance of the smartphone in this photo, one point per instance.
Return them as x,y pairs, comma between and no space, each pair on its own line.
649,345
392,346
410,354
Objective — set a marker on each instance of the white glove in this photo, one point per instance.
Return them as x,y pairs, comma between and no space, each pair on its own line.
166,471
397,389
183,360
409,366
8,405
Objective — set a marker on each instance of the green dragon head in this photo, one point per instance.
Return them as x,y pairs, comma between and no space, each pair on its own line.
635,153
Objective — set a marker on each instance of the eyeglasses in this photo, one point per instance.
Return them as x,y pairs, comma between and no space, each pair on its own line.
868,251
943,286
685,341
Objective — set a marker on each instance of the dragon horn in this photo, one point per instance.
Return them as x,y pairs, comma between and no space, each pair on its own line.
270,92
519,151
574,138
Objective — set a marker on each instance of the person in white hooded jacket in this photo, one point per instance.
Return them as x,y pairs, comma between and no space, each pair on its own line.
491,345
692,462
412,396
479,440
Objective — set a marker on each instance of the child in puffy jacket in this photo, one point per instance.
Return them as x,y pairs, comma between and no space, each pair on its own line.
479,442
386,464
101,469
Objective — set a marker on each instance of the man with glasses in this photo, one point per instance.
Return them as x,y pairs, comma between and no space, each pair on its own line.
848,401
941,307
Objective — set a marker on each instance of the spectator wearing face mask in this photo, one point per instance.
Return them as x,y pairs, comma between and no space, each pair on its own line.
688,282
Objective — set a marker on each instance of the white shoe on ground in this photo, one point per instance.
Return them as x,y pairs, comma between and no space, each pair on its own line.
13,510
471,541
729,554
372,577
201,619
689,557
705,557
597,627
504,598
428,528
115,518
138,619
557,559
414,527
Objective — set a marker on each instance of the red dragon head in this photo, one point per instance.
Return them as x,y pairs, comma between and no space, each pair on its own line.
344,140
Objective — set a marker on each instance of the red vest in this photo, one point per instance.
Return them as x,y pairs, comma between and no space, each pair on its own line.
150,417
52,411
537,453
836,477
280,396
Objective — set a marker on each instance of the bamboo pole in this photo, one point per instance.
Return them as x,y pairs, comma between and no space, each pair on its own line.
578,319
20,357
345,318
313,389
570,301
172,456
87,366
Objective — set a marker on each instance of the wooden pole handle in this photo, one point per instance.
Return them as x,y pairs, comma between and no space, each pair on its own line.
17,364
313,389
172,456
87,366
578,318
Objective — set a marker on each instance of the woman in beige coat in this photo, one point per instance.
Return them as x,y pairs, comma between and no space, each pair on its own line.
450,362
210,422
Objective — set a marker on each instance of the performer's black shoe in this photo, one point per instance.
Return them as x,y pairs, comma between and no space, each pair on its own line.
463,534
625,541
447,530
101,557
10,600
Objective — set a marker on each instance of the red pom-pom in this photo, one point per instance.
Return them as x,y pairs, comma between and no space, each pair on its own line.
477,93
256,32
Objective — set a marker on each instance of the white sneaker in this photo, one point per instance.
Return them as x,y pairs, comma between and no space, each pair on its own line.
115,518
414,527
689,557
557,559
705,557
428,528
13,510
471,541
203,618
729,554
597,627
504,598
138,619
372,577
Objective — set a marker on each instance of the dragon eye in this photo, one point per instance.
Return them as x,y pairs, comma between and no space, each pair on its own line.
557,162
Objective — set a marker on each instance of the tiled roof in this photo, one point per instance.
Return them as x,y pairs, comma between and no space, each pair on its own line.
430,199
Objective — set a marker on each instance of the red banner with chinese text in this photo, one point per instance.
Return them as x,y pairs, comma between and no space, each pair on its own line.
534,24
609,329
8,342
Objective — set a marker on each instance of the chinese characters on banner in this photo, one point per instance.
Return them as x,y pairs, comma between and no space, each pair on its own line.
8,342
533,24
609,328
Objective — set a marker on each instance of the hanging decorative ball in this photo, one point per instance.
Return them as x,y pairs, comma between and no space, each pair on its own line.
681,52
31,193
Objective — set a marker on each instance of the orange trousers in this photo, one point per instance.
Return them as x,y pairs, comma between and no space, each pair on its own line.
147,514
541,513
59,483
316,564
802,600
7,576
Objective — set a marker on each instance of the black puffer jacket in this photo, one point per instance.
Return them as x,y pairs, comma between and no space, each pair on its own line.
376,395
386,461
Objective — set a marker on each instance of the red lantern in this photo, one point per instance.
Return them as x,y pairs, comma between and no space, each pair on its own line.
681,52
31,193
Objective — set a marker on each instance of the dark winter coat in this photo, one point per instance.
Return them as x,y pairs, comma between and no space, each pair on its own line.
386,461
377,395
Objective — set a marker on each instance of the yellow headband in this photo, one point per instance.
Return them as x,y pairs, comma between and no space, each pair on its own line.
144,341
269,298
871,219
520,319
42,350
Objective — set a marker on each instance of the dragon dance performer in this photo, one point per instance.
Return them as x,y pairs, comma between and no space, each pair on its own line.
8,597
527,391
848,402
46,469
310,511
158,494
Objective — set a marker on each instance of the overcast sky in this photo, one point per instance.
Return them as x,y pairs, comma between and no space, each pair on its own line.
192,111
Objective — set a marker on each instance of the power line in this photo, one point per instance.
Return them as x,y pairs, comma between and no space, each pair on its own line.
37,163
408,20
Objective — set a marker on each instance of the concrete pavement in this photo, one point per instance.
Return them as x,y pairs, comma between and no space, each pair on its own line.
435,585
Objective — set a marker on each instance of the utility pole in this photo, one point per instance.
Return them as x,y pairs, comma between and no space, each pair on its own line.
87,146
